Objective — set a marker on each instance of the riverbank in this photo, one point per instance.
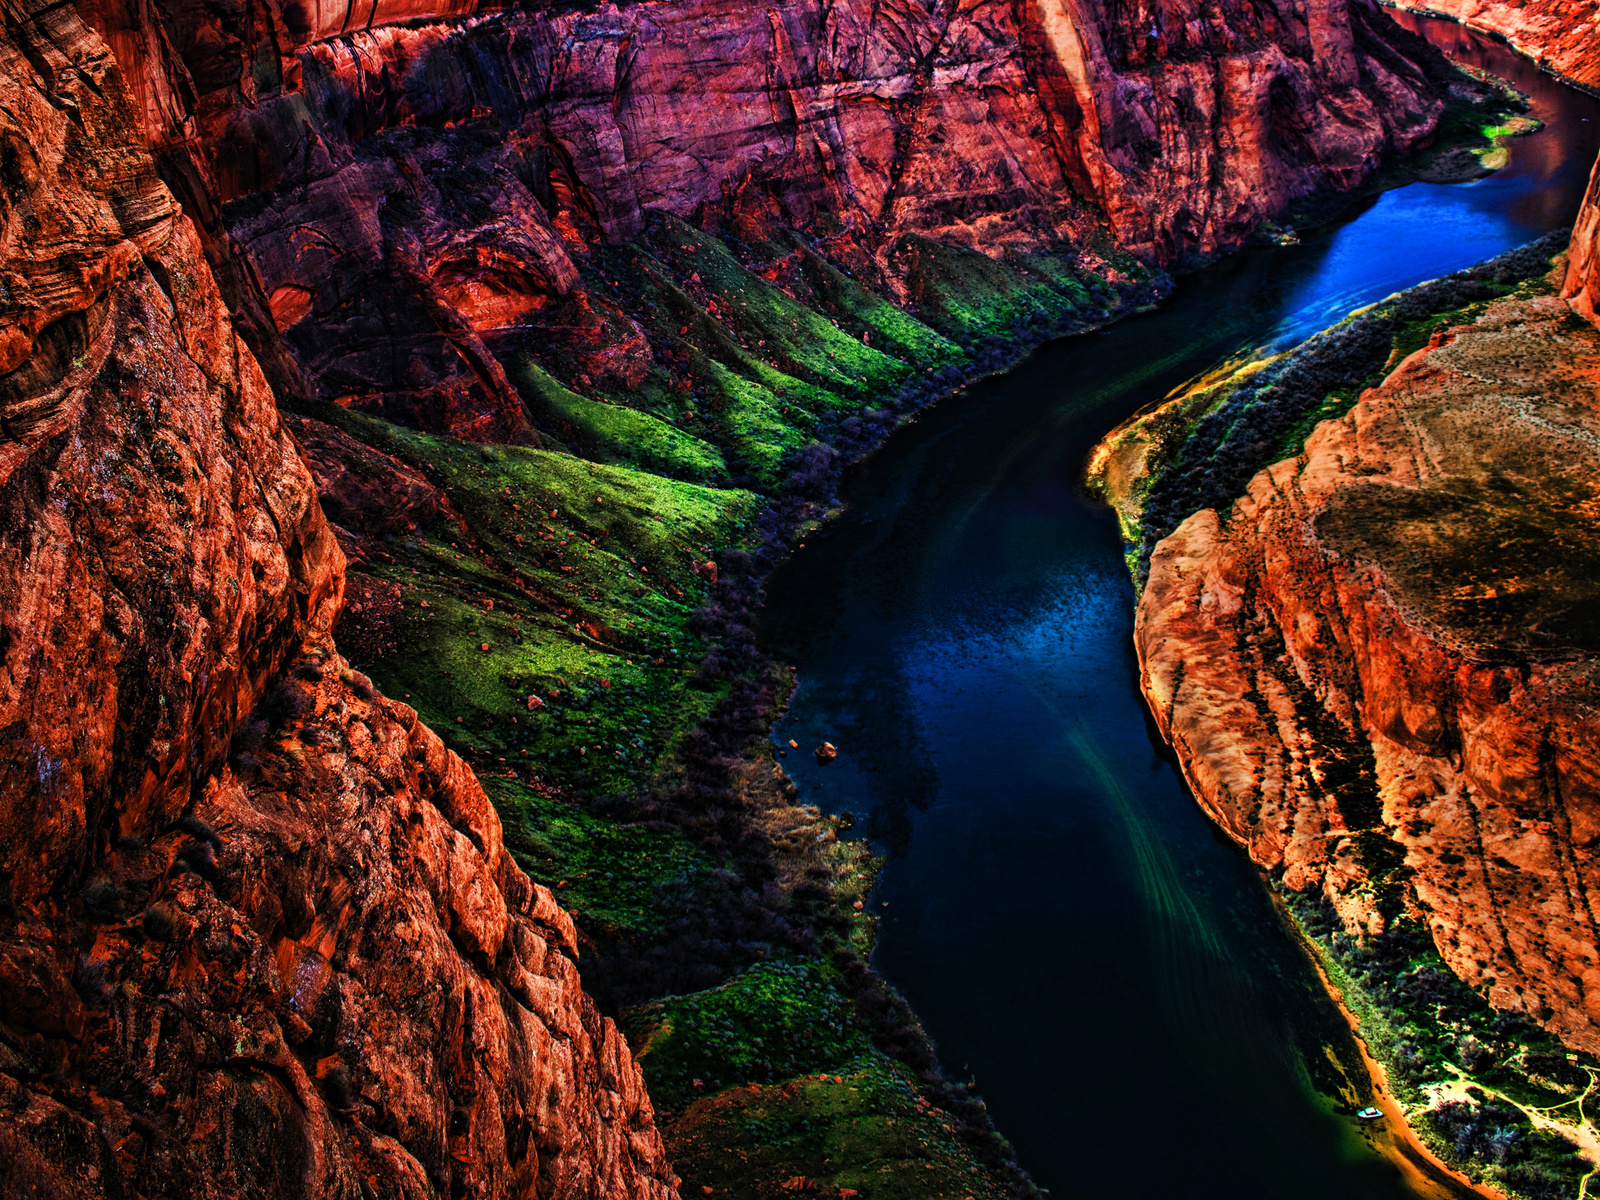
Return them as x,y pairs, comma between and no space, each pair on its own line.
1365,835
1553,34
580,629
1428,1107
1426,1173
1200,446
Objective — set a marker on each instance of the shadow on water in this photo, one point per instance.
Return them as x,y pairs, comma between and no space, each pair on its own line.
1066,922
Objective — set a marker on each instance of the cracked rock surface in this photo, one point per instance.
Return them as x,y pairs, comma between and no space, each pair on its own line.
1382,672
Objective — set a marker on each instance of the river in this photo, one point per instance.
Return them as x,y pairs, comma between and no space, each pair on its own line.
1071,930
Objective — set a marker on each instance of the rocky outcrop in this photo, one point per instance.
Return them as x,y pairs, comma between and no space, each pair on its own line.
1557,34
161,550
1381,674
420,201
258,932
1582,286
327,979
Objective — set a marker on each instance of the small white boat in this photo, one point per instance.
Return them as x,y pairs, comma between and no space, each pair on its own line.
1370,1114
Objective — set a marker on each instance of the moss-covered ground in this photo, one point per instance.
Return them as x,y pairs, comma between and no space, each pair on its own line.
863,1130
768,1085
544,621
619,878
775,1021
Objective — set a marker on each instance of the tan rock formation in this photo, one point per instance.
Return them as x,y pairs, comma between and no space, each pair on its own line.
1582,286
270,955
1382,674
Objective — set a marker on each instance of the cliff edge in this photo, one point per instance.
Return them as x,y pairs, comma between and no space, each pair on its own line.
259,934
1380,672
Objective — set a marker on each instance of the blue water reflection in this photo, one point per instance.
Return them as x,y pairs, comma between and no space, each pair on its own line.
1068,925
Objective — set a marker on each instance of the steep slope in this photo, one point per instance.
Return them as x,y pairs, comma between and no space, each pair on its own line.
1581,287
1380,673
1558,34
420,202
259,933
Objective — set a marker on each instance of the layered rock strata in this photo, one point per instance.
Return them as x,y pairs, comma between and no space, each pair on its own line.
259,935
416,198
1558,34
1381,672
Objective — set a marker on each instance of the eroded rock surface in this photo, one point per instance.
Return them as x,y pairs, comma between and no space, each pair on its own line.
417,201
1558,34
1582,286
161,548
329,980
259,935
1382,672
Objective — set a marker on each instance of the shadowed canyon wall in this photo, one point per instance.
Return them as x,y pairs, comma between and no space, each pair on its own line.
414,197
259,934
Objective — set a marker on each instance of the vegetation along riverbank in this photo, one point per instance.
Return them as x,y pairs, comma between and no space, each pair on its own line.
575,618
1314,746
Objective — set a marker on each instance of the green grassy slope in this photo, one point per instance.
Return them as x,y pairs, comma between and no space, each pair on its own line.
573,619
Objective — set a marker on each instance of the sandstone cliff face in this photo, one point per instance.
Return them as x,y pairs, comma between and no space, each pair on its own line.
1381,675
1582,286
414,199
162,549
240,955
1558,34
337,985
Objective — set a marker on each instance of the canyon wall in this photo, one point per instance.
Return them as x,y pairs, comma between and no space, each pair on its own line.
1379,669
419,189
258,934
1381,673
1582,285
1558,34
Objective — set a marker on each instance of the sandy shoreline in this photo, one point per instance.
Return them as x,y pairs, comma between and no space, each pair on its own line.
1427,1174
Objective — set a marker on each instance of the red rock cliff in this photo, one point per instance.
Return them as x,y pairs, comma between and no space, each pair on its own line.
1558,34
412,198
1381,675
279,954
1582,286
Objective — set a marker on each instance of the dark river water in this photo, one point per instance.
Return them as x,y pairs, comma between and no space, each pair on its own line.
1071,930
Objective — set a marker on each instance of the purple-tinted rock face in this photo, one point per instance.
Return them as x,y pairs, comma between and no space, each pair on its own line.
405,198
